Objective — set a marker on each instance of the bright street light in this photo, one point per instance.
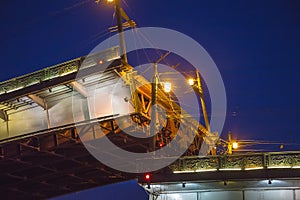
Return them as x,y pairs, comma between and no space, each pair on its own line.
191,81
235,145
167,87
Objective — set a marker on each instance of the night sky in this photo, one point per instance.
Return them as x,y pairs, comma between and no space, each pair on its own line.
255,45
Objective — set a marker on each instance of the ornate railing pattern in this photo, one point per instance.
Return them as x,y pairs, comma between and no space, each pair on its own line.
55,71
237,162
39,76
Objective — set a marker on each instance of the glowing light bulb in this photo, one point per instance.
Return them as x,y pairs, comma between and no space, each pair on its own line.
191,81
167,86
235,145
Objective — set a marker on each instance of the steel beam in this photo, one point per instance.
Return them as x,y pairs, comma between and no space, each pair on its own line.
3,115
38,100
79,88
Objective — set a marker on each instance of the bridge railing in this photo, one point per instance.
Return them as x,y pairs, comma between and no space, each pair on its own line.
237,162
55,71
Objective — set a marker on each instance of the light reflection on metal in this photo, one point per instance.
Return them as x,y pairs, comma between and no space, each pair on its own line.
230,169
279,167
253,168
185,171
205,170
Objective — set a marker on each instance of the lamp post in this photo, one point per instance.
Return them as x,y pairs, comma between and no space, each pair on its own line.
120,30
118,11
154,86
197,85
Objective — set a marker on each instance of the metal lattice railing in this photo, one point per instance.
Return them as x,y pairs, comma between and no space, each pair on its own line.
237,162
56,71
39,76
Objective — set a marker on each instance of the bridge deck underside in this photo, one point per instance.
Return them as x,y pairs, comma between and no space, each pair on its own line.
53,164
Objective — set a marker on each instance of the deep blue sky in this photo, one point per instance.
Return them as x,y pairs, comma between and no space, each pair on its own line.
255,45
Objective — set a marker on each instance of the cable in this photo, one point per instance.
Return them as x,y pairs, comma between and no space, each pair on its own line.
76,5
136,50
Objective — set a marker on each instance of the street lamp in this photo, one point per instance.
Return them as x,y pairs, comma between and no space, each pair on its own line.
120,14
167,86
197,86
235,145
191,81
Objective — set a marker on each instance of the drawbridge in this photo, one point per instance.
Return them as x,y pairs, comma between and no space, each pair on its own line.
46,115
52,119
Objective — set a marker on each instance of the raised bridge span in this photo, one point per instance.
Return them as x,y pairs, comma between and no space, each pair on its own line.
43,156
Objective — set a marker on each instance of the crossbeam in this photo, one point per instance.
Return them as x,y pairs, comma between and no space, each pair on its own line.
3,115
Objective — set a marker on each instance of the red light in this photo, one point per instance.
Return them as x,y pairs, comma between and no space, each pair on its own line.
147,177
161,144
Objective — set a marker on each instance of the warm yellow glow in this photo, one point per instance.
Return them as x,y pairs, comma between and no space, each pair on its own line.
275,167
167,86
253,168
191,81
230,169
205,170
235,145
181,172
109,1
